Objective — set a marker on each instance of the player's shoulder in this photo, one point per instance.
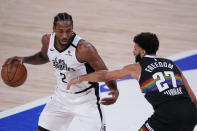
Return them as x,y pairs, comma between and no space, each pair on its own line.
85,46
133,69
85,43
86,51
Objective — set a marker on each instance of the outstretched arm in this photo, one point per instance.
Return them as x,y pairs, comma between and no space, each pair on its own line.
104,75
36,59
132,70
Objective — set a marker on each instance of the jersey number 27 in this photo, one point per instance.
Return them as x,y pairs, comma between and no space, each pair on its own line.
161,84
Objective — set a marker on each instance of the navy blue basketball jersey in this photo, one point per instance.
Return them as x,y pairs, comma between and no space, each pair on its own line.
161,81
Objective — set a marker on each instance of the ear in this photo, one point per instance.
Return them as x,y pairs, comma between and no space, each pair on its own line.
143,53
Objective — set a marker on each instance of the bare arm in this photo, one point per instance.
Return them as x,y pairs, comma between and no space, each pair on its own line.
87,53
104,75
189,90
132,70
38,58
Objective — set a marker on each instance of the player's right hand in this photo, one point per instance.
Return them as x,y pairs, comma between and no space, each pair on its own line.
11,59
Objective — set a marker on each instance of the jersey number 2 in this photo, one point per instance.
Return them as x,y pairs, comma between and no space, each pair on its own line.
63,77
161,87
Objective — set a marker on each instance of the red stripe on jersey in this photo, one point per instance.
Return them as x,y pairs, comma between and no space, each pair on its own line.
143,128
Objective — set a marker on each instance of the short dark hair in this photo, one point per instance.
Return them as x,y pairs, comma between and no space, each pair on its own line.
147,41
62,17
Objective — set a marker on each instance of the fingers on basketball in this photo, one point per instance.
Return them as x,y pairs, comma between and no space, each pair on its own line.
14,73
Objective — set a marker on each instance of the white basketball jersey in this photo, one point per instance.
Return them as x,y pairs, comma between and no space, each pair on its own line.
66,66
82,100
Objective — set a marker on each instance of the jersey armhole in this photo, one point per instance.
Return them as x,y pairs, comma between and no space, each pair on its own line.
76,52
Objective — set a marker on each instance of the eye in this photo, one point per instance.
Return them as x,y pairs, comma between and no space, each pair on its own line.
69,31
60,31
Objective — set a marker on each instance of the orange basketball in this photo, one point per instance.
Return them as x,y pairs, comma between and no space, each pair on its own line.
14,74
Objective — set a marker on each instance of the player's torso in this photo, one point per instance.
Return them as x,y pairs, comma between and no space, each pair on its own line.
66,66
161,80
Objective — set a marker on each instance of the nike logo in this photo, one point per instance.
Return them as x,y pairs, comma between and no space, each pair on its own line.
69,53
51,49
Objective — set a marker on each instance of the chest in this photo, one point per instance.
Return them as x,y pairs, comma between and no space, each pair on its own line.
64,60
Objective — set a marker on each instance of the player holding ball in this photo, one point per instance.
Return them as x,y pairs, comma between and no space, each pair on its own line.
71,56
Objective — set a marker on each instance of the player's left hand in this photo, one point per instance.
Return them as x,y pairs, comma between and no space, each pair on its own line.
73,81
110,100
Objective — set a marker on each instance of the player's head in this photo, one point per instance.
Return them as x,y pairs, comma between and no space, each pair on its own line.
63,27
146,43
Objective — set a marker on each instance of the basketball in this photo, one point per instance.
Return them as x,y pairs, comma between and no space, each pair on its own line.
14,74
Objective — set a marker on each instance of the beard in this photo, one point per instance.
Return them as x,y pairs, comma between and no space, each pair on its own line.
138,58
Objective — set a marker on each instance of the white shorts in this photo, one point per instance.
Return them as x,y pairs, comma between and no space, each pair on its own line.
58,114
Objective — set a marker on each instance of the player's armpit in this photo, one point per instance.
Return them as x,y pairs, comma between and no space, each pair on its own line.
189,90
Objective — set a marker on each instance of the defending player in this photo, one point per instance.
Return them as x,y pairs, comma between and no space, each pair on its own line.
163,84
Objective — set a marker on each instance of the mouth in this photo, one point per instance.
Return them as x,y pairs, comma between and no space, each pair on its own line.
64,42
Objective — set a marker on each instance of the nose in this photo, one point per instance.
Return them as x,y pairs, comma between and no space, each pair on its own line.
64,35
